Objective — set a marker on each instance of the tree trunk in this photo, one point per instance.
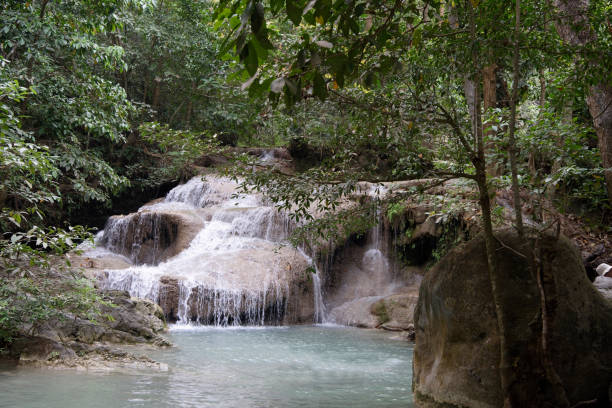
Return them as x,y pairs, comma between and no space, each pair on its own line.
190,106
489,92
600,106
43,8
512,148
156,91
479,160
574,28
3,196
144,91
542,102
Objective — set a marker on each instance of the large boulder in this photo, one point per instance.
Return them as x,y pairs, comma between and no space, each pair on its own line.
456,355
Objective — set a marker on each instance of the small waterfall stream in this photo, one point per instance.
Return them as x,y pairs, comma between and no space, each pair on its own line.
363,274
236,270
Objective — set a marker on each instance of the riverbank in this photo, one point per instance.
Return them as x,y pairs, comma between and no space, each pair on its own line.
58,318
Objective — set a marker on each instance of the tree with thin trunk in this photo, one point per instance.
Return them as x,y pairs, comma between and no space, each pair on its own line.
574,27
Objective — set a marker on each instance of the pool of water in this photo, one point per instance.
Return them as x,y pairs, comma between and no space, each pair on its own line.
306,366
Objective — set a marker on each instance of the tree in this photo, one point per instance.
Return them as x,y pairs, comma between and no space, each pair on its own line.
575,23
442,48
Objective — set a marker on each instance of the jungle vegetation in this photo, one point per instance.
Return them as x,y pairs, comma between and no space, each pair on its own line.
105,99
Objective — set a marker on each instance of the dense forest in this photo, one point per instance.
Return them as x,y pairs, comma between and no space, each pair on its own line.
106,104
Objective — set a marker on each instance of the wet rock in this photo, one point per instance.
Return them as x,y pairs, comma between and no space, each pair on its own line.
300,305
604,270
456,354
357,312
150,237
169,292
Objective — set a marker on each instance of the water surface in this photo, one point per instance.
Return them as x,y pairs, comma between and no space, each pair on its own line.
305,366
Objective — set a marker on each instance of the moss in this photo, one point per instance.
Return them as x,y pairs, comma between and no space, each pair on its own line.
379,309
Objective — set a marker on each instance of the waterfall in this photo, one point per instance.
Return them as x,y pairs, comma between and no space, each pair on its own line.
361,275
237,269
320,315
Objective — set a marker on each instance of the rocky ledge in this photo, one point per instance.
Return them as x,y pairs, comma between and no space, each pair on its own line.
67,341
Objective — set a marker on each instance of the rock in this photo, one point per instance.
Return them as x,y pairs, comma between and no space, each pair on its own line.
35,348
67,340
169,297
88,332
456,354
360,275
138,317
604,270
150,237
604,286
357,312
428,228
300,304
396,312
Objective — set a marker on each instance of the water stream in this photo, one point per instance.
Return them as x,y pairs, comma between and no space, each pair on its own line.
304,366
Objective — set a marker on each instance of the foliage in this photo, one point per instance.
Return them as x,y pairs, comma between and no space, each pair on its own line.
399,70
26,303
175,150
73,113
567,162
171,54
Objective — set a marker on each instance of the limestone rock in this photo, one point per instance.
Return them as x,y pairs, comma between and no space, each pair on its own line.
396,312
456,354
138,317
150,237
64,340
169,297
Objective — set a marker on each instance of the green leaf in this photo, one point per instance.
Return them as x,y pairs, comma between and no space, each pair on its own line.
276,5
319,86
248,56
294,11
258,21
264,41
323,10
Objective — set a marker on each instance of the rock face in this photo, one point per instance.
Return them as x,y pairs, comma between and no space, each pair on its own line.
148,237
68,340
456,354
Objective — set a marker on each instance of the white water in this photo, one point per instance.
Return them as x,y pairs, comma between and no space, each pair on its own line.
367,278
320,312
233,272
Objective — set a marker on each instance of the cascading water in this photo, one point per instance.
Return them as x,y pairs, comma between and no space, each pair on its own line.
365,275
320,315
234,271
